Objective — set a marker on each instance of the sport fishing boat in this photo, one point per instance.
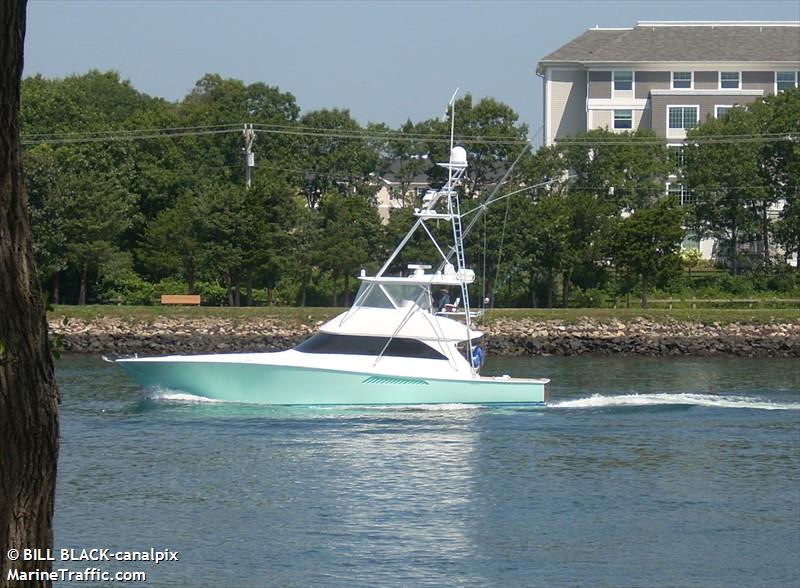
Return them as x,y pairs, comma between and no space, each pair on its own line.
395,345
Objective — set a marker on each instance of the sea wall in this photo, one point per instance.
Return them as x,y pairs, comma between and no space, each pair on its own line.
505,337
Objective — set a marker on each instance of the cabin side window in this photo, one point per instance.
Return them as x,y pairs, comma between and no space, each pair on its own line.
372,346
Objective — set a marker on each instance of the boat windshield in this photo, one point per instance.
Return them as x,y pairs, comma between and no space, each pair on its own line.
377,295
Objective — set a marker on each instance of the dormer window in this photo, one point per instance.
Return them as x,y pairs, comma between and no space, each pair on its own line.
623,80
729,80
681,80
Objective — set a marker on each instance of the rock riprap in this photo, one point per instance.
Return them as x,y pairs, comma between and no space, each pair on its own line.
505,336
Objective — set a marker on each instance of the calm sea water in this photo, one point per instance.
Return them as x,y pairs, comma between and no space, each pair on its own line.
641,472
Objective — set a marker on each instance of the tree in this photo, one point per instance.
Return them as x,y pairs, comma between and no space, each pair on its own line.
172,241
28,392
305,250
615,173
224,233
405,155
273,211
787,228
646,245
222,101
335,158
80,198
734,195
350,238
624,169
782,164
47,223
490,132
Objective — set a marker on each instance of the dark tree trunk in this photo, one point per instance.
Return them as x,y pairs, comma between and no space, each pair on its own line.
82,290
565,290
249,291
190,277
229,286
550,288
28,393
335,290
735,250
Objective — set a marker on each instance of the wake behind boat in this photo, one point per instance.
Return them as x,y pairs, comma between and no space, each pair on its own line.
395,345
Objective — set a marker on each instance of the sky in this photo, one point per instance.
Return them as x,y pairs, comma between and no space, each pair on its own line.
385,61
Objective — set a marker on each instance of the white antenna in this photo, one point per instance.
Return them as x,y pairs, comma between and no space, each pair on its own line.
249,157
451,107
449,104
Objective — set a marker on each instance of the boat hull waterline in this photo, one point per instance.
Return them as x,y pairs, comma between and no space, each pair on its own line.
292,385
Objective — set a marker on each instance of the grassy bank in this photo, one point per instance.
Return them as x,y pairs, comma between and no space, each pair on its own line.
307,315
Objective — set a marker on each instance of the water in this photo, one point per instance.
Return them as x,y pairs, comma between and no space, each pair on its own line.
641,472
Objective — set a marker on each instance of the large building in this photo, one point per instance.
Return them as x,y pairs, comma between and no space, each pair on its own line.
666,76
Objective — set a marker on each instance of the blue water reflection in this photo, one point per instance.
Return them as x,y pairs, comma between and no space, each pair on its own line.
642,471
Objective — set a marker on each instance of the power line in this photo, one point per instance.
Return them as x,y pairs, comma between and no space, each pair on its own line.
132,137
105,132
276,129
707,140
367,135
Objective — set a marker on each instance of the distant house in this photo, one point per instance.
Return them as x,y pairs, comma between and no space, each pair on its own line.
665,76
401,184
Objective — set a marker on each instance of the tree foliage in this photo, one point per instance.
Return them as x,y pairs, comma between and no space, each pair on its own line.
170,212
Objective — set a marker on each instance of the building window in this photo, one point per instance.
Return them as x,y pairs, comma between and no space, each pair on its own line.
729,80
721,110
678,156
685,197
784,80
682,117
623,119
623,81
681,80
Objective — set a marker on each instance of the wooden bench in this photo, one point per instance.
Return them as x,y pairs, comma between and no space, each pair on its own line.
193,299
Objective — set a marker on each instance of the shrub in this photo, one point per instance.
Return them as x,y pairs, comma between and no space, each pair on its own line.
212,294
125,288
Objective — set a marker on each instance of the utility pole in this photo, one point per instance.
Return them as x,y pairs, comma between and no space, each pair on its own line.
249,136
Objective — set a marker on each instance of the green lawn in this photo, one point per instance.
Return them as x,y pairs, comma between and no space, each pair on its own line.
702,315
312,315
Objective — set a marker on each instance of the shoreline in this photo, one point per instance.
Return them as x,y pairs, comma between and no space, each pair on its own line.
504,336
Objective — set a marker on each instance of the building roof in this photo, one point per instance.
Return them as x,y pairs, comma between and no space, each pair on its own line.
393,172
677,41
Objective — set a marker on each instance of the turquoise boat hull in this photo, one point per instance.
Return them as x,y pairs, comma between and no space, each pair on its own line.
290,385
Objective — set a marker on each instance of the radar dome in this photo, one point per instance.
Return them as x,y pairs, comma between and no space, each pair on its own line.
458,157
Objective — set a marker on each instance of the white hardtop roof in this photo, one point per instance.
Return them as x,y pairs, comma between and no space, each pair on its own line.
383,322
421,280
450,277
